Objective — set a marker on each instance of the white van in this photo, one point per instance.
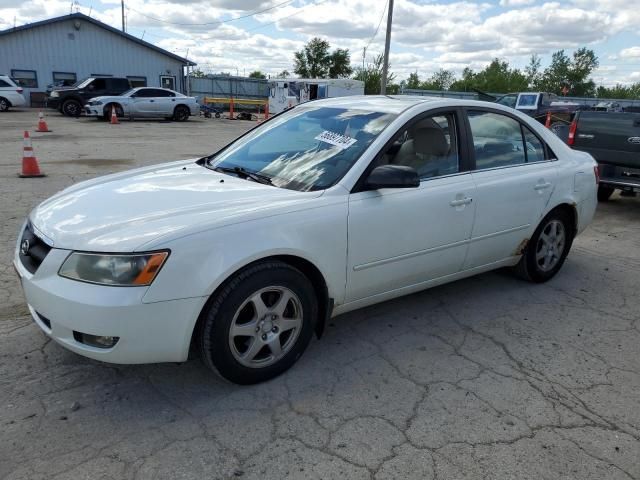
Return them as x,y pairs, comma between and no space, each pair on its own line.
285,93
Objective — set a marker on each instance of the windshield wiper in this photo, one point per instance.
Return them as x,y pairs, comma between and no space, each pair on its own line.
244,173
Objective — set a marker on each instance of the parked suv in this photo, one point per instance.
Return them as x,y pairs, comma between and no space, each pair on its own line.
10,94
70,100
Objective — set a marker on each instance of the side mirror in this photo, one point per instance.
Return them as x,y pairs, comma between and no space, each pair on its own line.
392,176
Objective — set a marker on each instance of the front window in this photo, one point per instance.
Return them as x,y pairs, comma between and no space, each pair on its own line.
307,148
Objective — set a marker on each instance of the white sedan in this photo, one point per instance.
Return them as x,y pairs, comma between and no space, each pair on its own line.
145,102
334,205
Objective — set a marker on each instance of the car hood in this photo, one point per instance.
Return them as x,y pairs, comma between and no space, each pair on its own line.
125,211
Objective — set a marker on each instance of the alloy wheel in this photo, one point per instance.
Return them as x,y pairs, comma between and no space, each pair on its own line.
265,327
550,245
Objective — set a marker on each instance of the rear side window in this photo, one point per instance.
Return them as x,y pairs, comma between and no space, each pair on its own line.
4,84
497,140
157,92
98,84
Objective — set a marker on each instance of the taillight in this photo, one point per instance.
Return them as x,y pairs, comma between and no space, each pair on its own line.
572,132
596,171
19,90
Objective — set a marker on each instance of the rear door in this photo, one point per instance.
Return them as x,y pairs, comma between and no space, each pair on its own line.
514,176
164,102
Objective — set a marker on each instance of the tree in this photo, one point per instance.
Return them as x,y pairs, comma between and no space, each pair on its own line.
284,74
257,74
532,70
465,83
197,73
371,75
630,92
340,64
441,80
315,61
413,81
498,77
572,73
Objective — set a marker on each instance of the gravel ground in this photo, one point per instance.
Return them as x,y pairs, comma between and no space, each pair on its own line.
488,377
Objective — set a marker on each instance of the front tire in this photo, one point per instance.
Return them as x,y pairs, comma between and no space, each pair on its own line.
259,323
71,108
548,248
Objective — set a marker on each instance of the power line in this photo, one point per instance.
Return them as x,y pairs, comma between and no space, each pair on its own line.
217,22
286,16
378,27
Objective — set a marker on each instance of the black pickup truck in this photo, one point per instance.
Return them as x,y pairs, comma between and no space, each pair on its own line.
613,139
70,101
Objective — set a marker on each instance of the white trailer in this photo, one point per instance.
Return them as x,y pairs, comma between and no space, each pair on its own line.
287,92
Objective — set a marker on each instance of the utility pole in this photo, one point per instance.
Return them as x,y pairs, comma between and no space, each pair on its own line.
387,44
122,4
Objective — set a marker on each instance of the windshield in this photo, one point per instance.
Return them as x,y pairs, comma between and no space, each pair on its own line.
307,148
84,82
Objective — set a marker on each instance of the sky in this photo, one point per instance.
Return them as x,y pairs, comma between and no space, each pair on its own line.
240,36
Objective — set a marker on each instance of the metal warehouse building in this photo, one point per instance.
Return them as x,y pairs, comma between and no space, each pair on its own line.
63,50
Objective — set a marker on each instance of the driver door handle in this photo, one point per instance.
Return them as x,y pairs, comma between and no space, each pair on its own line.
461,201
542,186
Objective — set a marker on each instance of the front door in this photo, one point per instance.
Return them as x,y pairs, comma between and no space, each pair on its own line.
514,179
403,237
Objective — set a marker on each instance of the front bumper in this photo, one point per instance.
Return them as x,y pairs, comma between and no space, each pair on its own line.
148,332
53,102
94,110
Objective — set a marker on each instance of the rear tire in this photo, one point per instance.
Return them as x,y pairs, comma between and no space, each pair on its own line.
548,248
604,193
4,104
181,113
246,335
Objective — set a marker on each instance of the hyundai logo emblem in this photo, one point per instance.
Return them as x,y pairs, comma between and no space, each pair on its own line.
24,247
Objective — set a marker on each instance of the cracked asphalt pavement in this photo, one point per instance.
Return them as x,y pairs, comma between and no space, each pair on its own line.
485,378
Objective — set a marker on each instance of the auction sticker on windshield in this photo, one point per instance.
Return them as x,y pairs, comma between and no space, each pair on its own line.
336,139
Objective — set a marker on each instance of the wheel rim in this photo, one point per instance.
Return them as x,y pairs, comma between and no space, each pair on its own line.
71,108
265,327
550,245
3,105
182,114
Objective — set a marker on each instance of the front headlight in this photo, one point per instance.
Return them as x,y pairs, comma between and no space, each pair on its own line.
95,102
54,94
123,270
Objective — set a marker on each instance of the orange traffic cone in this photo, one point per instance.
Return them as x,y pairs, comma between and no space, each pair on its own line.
30,166
42,124
114,117
547,123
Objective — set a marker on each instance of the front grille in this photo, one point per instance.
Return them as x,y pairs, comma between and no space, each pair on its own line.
32,249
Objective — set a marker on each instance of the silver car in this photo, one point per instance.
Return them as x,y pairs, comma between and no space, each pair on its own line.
145,102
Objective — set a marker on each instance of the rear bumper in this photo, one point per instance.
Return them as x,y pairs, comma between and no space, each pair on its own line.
17,100
624,178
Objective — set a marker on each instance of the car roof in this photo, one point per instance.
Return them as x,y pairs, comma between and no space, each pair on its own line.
398,103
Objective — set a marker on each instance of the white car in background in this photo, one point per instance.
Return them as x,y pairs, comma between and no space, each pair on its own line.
10,94
328,207
145,102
